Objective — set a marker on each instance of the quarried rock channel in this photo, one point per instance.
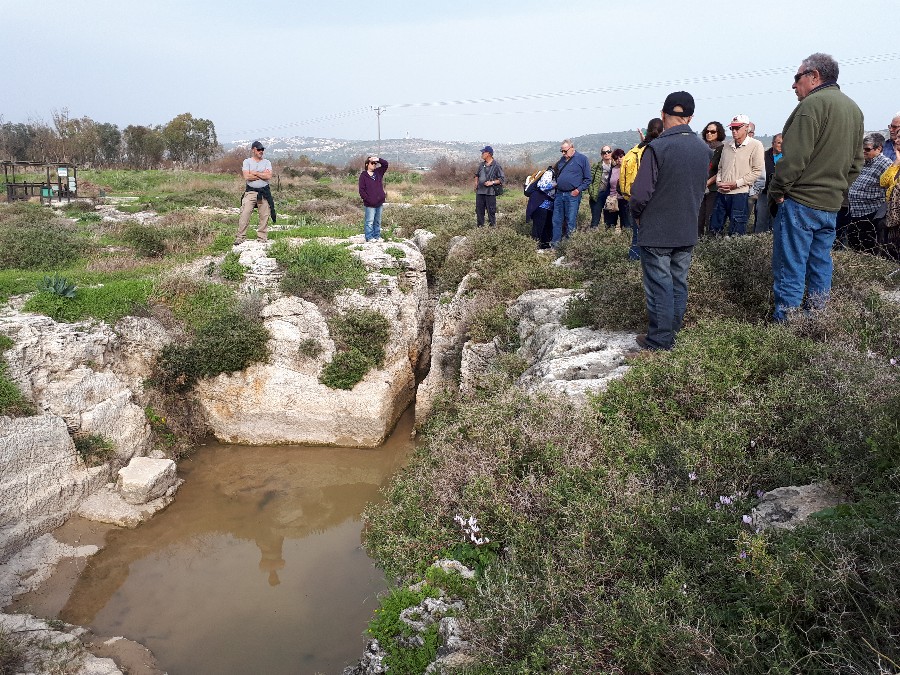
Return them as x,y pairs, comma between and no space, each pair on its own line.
256,566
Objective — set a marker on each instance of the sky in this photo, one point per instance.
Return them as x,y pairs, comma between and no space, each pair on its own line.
435,69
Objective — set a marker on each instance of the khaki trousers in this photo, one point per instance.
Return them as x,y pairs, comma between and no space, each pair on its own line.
250,200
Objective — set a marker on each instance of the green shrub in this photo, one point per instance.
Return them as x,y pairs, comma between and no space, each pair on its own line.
491,322
31,238
194,302
360,337
93,449
146,240
12,403
309,348
224,344
398,253
317,271
231,268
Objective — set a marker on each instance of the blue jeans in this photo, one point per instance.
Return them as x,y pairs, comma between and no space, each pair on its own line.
373,222
801,256
565,207
730,206
666,288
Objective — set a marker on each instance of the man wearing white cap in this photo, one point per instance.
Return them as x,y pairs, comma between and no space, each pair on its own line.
741,164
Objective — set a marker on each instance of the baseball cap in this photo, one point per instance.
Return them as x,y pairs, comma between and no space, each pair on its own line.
488,149
739,121
258,146
679,98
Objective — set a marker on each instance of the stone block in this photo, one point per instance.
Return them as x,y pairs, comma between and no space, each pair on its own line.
145,479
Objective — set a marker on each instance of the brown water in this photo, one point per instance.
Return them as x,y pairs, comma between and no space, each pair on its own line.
255,568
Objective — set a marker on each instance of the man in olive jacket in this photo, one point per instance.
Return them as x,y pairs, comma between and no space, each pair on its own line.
822,155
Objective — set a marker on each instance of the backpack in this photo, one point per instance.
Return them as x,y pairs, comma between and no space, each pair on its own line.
631,162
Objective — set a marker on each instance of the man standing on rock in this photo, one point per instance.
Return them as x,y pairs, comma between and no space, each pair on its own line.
257,171
489,181
821,156
665,202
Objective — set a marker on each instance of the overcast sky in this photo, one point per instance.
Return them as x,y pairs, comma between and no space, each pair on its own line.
300,68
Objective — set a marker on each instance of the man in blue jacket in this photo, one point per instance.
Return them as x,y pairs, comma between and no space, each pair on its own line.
665,202
573,177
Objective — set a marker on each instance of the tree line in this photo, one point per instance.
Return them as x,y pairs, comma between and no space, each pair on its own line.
184,139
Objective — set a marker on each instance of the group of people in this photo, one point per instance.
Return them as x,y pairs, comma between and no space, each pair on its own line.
823,182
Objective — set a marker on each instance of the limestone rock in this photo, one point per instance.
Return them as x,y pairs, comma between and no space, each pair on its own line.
282,401
573,362
788,507
107,506
29,567
371,663
145,479
41,479
421,238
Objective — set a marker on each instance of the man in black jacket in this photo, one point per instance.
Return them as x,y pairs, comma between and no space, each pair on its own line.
665,202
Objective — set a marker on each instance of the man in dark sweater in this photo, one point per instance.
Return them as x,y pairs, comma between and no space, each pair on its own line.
573,177
665,203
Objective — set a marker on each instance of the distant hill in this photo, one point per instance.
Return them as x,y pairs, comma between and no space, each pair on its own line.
422,152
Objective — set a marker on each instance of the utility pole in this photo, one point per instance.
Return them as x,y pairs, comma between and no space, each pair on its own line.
378,110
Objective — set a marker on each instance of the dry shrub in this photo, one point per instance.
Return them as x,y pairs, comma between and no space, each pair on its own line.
231,162
446,171
115,262
189,229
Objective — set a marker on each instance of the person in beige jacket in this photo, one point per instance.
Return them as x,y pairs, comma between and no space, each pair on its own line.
742,162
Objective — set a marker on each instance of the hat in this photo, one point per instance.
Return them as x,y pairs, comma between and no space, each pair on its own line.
488,149
258,146
679,98
739,121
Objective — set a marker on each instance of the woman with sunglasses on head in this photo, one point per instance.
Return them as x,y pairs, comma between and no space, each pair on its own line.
714,135
599,189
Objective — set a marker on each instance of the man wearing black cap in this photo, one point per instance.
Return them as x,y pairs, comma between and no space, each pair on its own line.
489,181
665,202
257,172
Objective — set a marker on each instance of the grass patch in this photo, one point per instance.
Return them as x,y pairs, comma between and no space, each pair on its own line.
360,337
109,302
387,627
317,271
231,268
32,238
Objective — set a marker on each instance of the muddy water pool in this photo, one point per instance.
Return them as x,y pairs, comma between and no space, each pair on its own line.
255,568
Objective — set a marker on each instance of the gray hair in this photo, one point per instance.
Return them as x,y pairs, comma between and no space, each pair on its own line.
876,139
824,64
896,115
568,142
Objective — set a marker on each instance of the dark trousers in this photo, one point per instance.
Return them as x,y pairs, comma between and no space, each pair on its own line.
707,206
862,234
483,202
542,226
597,207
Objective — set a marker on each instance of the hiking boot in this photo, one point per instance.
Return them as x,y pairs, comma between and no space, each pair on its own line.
641,339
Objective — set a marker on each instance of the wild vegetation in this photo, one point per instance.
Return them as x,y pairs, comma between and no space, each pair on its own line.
622,530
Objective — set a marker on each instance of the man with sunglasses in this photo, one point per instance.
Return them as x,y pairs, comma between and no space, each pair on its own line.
573,177
257,171
740,165
821,157
894,131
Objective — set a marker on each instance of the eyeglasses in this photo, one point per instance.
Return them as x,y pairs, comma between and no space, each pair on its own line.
259,149
712,131
865,149
606,152
739,126
371,162
894,126
564,151
799,75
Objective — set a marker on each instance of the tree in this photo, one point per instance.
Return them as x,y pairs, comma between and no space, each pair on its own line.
16,141
190,139
144,146
109,143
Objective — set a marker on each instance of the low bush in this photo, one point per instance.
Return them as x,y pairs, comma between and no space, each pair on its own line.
360,337
147,241
621,524
231,268
386,627
93,450
317,271
225,344
194,302
31,238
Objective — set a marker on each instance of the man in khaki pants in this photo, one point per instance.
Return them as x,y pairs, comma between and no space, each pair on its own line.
257,172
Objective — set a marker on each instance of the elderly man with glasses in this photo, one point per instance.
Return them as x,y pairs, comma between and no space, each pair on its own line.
894,132
599,189
821,157
741,163
573,177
